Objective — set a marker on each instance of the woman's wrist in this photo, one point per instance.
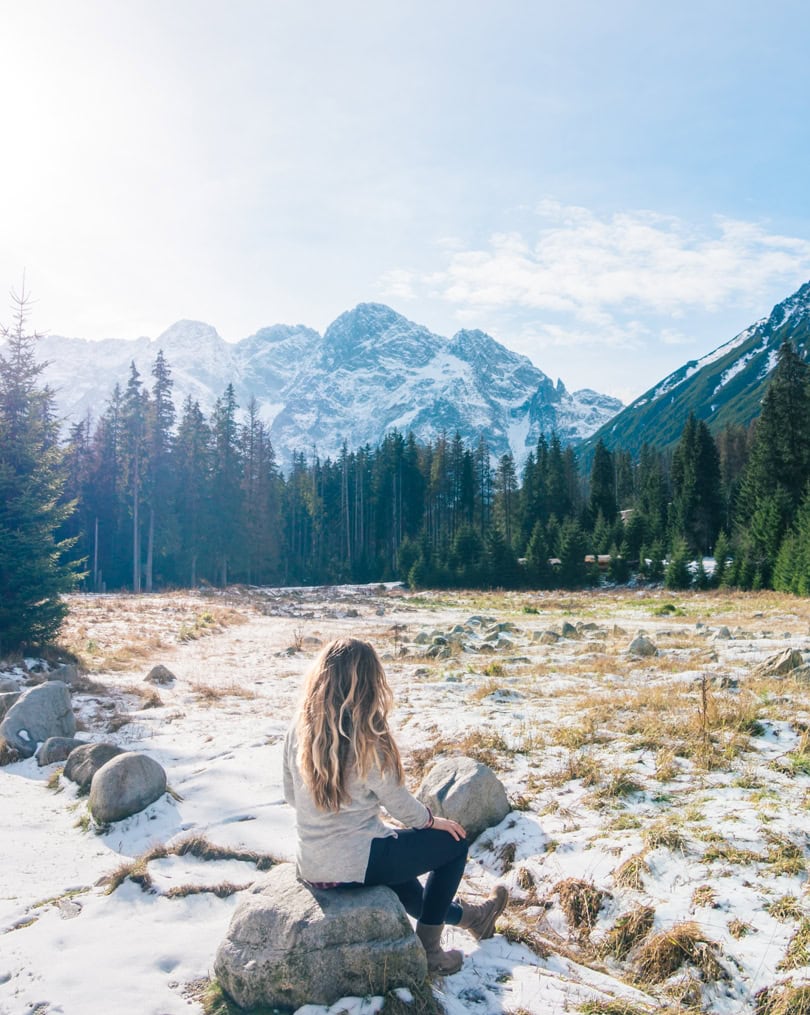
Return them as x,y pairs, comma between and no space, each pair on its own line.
431,820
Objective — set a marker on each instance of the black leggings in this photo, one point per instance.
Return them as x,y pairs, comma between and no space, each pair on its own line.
396,860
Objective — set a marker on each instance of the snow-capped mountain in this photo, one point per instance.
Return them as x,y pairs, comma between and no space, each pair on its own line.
725,386
372,370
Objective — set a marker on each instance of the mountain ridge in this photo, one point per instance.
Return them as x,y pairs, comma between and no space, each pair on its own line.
723,387
372,370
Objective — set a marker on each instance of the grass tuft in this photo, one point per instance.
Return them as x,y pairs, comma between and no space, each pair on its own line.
627,931
798,949
661,955
580,901
783,999
629,874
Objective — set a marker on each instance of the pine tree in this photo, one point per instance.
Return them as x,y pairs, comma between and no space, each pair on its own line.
34,571
678,575
573,548
697,506
603,484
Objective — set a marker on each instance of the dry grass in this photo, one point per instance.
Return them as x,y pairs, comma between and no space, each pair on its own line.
784,856
8,754
137,870
663,834
518,933
725,851
662,954
630,873
577,765
666,765
704,897
738,928
783,999
221,891
211,694
626,932
580,901
785,908
486,746
798,949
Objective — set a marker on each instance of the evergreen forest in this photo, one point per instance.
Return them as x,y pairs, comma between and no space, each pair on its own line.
140,499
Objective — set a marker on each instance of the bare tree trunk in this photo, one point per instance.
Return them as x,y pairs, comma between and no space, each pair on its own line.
149,548
95,559
136,540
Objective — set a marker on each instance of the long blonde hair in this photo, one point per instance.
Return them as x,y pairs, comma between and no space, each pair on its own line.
343,722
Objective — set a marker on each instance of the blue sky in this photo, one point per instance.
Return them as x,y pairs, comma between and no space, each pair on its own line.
609,188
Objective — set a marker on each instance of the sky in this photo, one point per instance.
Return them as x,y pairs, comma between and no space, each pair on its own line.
611,189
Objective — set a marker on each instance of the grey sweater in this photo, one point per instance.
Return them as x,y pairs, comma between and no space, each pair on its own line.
334,846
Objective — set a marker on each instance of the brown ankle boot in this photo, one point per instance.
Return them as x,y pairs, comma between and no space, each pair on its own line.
480,919
438,961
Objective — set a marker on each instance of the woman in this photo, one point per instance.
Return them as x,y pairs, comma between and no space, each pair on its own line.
340,766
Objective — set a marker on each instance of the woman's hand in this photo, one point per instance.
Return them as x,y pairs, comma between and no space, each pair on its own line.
447,825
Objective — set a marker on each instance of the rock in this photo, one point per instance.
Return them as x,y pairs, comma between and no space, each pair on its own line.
85,761
618,632
8,685
7,699
485,647
423,638
641,646
125,786
778,665
568,630
439,639
545,637
160,674
587,626
467,791
290,945
40,712
57,749
722,634
68,673
504,644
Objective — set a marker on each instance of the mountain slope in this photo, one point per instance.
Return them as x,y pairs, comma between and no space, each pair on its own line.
372,370
725,386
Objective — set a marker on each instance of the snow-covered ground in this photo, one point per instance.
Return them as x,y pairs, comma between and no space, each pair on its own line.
689,764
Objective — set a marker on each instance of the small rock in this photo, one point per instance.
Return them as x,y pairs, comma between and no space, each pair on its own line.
83,762
7,699
781,664
68,673
160,674
568,630
545,637
618,632
642,646
124,786
722,634
57,749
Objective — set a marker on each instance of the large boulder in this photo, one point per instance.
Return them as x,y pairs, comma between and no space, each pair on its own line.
40,712
290,945
57,749
467,791
124,786
86,760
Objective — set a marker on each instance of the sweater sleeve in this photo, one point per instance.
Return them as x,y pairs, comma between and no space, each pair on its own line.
397,800
289,786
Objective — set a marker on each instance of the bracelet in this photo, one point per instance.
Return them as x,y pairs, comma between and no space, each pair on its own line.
430,819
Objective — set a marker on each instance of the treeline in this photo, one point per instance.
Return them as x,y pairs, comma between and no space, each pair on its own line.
140,500
163,502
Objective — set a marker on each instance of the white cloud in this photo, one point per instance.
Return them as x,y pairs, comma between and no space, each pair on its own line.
601,274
